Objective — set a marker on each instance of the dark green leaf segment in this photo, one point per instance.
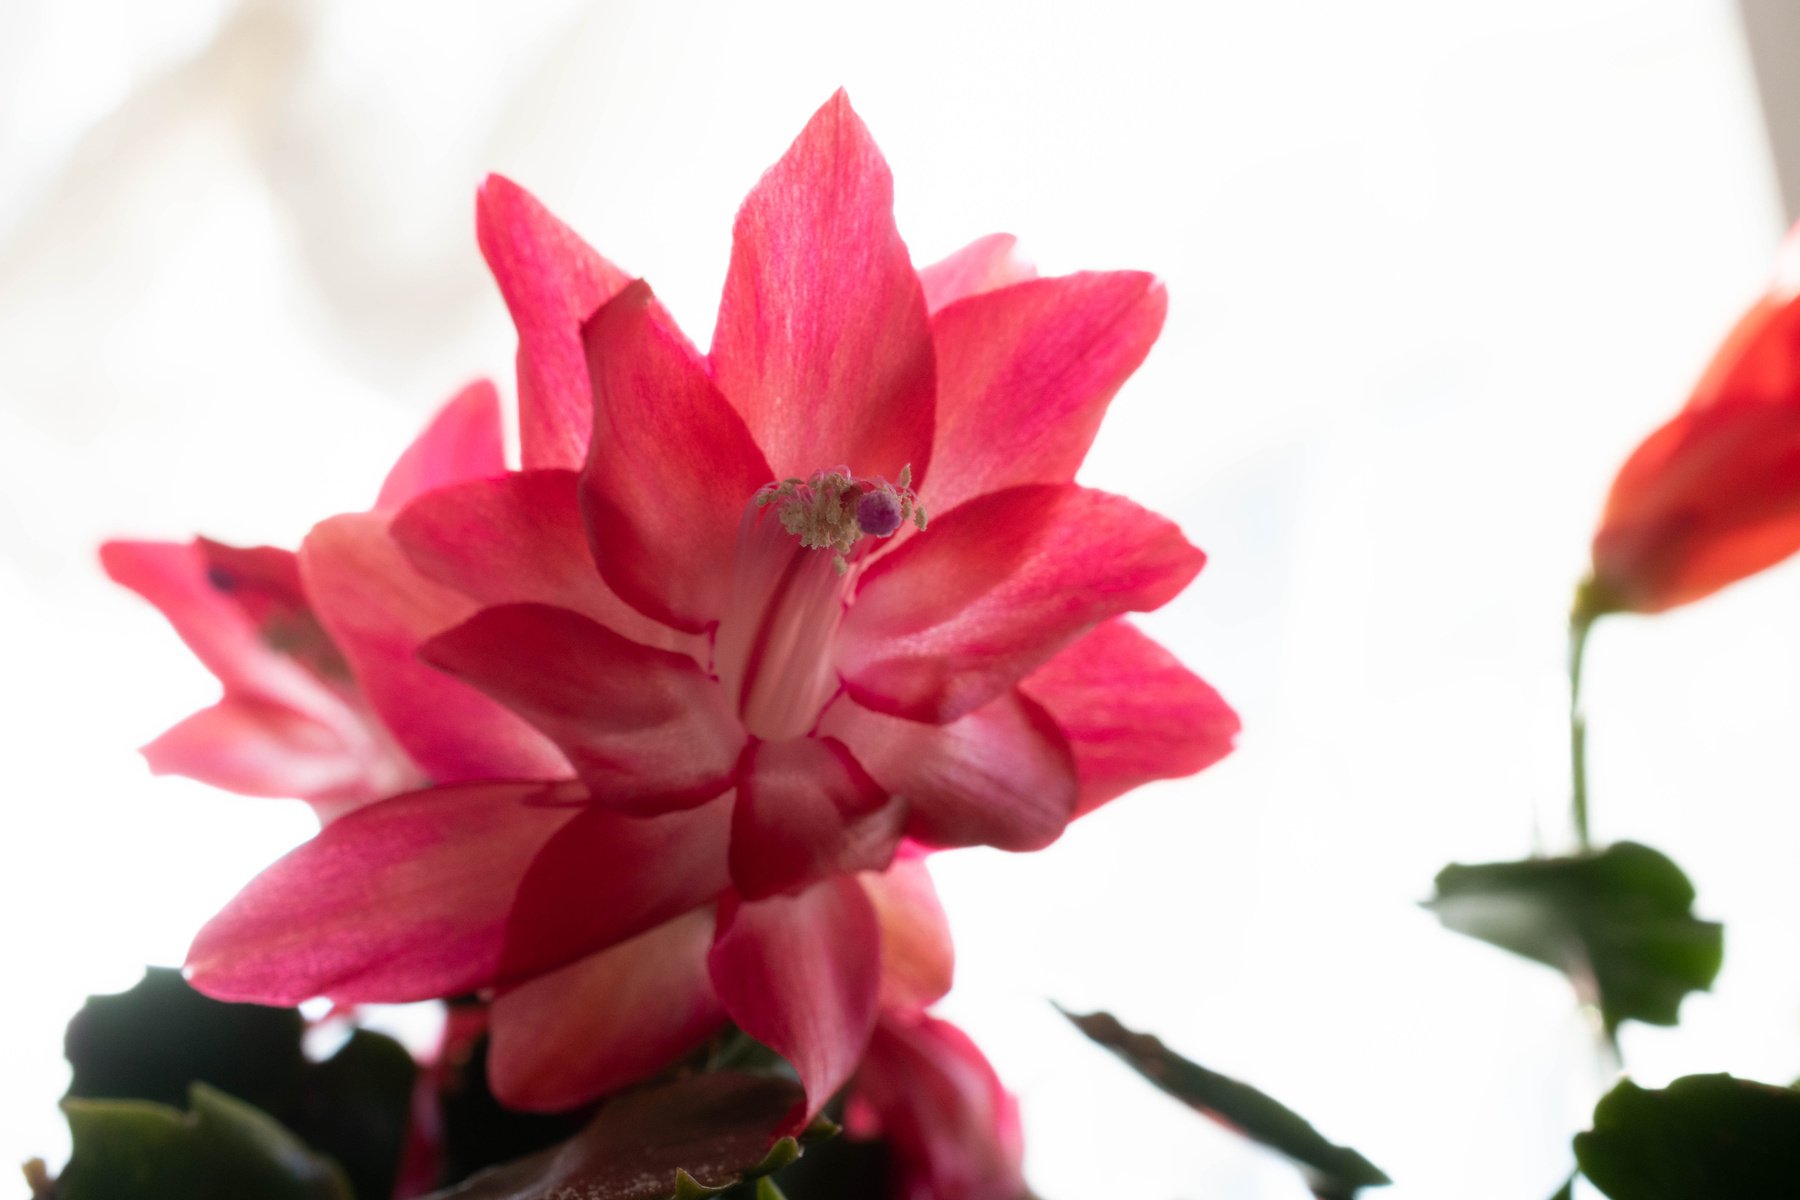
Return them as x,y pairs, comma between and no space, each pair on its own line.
170,1089
1618,922
1333,1172
153,1042
1704,1137
220,1149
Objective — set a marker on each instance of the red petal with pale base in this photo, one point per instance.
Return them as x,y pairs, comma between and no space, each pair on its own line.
930,1094
806,809
1025,374
646,728
462,442
983,265
801,974
258,749
520,539
669,471
918,960
822,341
1000,776
997,586
606,1021
552,281
1131,712
380,610
407,899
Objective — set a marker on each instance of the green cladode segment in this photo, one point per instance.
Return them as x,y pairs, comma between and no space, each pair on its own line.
220,1149
1619,922
1333,1172
151,1042
169,1089
1700,1138
155,1041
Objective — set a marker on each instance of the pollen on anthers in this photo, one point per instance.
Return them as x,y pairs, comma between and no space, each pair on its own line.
834,509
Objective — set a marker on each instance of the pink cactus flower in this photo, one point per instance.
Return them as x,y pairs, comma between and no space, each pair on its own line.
795,608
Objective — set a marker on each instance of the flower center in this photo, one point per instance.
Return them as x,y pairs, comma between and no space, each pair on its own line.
774,643
834,510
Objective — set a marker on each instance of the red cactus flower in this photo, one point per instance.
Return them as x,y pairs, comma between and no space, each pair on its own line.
1714,495
951,1128
293,721
727,614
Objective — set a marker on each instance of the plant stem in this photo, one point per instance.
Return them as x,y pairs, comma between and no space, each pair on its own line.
1579,625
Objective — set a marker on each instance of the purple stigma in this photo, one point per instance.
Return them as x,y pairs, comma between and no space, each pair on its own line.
878,513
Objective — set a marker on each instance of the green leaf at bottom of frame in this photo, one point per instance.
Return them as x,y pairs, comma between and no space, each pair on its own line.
1703,1136
221,1149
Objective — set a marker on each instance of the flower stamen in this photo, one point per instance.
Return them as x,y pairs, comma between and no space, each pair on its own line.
834,510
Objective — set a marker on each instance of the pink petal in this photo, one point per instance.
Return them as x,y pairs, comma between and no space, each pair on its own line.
806,809
462,442
609,1020
257,749
520,539
607,877
801,975
1131,712
995,587
1025,374
646,728
931,1095
981,266
822,341
1000,776
670,469
380,610
407,899
918,960
552,281
293,721
173,577
264,582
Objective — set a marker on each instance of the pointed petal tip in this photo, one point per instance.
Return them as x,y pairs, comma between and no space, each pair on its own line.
497,188
836,114
493,195
821,300
634,299
126,560
984,265
462,441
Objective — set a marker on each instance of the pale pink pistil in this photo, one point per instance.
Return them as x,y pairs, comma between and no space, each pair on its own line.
788,600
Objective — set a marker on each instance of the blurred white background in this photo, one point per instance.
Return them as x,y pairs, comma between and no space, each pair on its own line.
1434,269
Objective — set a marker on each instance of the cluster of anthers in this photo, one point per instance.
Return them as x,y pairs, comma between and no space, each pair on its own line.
834,509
